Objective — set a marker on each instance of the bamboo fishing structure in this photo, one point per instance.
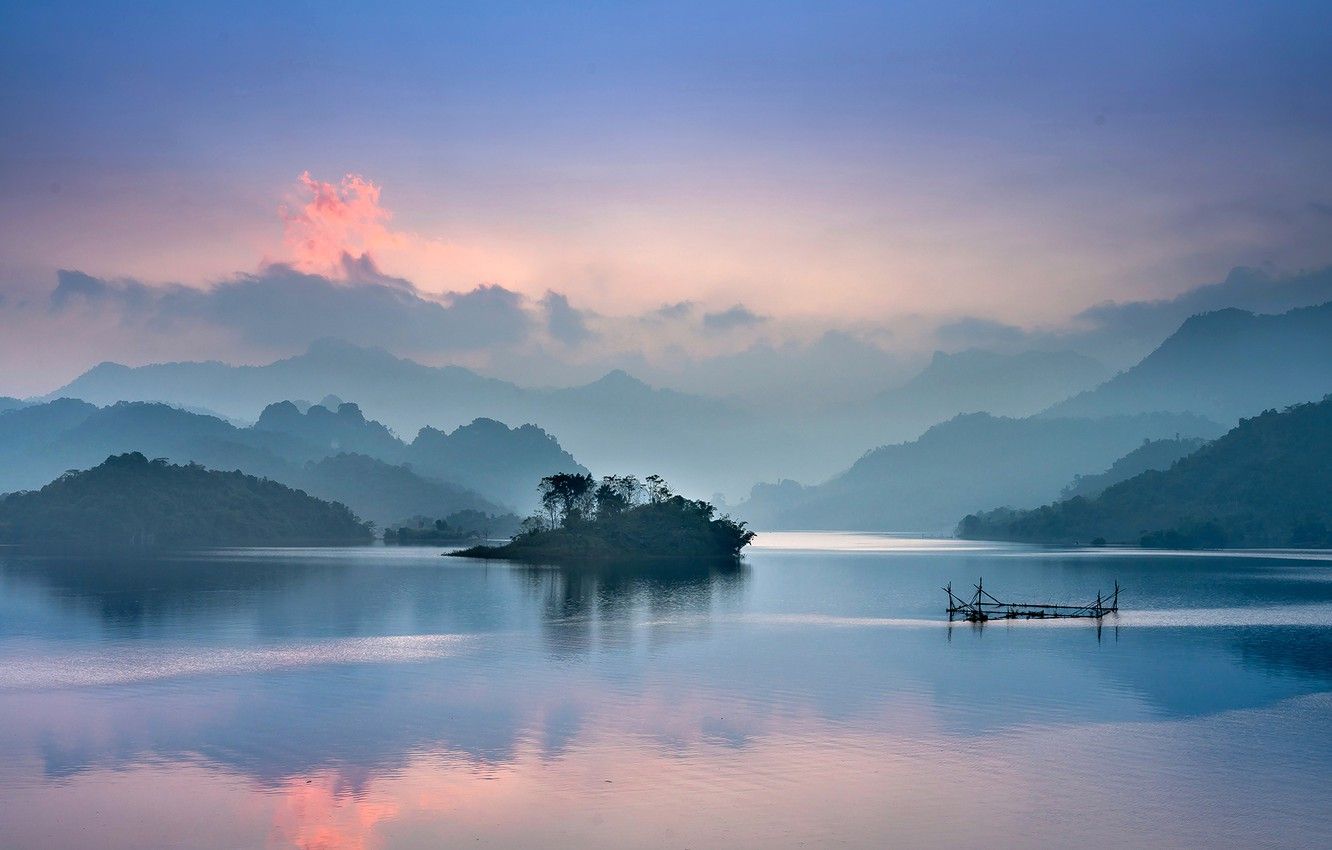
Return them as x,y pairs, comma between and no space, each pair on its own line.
983,607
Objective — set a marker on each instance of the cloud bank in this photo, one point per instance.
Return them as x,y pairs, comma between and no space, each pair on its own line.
281,307
57,332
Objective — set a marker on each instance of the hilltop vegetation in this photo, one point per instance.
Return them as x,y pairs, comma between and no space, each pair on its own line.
129,500
1152,454
1268,482
619,519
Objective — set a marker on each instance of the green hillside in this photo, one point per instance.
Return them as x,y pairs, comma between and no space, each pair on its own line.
1268,482
1152,454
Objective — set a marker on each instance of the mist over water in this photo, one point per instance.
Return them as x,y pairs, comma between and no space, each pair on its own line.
816,695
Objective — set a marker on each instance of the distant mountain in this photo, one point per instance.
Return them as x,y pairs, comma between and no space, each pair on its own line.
340,429
973,381
25,434
1268,482
387,492
487,456
10,403
370,375
40,442
970,460
1152,454
1126,332
490,457
129,500
1223,365
616,422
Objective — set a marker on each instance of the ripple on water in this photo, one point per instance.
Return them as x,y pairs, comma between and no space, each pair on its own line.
134,663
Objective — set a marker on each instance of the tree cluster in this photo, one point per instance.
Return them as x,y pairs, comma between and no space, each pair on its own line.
570,498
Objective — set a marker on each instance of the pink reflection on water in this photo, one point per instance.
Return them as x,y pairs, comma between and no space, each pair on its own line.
805,782
320,813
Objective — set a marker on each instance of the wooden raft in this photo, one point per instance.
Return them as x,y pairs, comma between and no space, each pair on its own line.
982,607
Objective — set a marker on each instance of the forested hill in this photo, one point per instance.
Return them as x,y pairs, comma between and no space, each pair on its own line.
1152,454
1268,482
131,501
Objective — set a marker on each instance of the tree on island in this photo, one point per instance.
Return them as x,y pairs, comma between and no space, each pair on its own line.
620,517
565,495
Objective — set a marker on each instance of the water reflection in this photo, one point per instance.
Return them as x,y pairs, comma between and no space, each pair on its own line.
396,698
606,604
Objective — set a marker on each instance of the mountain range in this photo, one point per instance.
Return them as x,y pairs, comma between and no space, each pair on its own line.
970,460
616,422
338,455
1215,368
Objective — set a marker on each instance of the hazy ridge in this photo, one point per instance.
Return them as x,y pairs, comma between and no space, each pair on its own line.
39,442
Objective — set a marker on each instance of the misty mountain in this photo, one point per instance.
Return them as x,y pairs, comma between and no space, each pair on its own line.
342,429
387,492
1223,365
45,440
26,431
1152,454
971,460
972,381
1125,332
1268,482
490,457
616,422
485,455
40,442
10,403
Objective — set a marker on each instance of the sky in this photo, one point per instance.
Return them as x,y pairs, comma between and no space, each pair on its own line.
630,184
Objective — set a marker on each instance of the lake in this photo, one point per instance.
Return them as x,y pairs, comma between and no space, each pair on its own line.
815,697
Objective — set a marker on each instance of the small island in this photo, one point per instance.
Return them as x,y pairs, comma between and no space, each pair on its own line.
620,518
131,501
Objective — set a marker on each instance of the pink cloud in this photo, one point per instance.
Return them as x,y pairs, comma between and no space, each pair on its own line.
342,229
337,221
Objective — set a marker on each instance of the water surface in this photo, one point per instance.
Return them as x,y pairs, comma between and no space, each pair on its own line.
391,698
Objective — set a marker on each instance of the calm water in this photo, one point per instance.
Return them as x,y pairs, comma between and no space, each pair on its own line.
392,698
